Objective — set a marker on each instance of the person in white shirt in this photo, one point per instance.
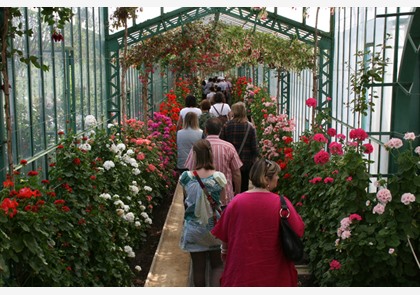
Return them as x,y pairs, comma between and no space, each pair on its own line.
185,138
222,84
209,83
220,107
210,95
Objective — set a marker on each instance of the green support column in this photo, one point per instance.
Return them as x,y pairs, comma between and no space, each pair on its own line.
150,104
326,67
70,93
248,73
113,86
129,105
3,157
255,79
164,80
266,78
406,92
241,72
285,93
112,75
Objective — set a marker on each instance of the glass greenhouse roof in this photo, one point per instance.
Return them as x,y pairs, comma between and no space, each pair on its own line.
293,13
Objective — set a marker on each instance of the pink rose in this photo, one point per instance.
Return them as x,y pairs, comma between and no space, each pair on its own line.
358,134
320,138
315,180
379,209
355,216
408,198
311,102
384,196
394,143
321,157
345,222
336,148
368,148
341,136
409,136
328,180
331,132
346,234
335,264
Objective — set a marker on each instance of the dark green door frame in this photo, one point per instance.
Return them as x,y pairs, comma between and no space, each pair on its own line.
406,90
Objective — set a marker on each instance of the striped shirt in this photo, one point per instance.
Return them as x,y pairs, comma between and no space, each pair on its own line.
225,160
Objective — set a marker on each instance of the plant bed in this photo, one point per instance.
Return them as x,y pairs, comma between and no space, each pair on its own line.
144,256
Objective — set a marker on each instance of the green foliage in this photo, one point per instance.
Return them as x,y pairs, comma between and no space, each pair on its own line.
121,15
348,241
372,251
370,69
57,16
83,226
198,47
259,103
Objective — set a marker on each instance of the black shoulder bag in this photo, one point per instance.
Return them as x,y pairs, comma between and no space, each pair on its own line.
291,242
245,137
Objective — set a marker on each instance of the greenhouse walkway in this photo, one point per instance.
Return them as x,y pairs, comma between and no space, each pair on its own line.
171,267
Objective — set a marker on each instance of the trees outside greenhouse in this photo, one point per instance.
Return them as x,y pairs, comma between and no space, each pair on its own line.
92,96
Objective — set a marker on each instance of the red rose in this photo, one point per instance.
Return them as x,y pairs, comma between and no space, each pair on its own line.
32,173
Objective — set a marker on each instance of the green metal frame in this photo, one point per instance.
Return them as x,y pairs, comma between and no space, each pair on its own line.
179,17
70,95
61,84
284,92
406,89
68,56
266,77
150,100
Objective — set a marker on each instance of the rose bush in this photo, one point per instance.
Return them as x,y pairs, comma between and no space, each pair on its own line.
239,86
352,237
83,225
388,236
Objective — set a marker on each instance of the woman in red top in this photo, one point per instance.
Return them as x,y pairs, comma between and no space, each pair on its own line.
249,230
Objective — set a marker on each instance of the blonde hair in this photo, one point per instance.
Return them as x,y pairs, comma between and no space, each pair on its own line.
262,171
191,121
239,112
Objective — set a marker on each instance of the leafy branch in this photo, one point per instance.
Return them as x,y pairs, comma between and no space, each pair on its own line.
370,69
120,19
9,30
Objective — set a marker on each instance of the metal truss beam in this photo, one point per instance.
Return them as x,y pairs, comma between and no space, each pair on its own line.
284,92
241,16
274,23
113,87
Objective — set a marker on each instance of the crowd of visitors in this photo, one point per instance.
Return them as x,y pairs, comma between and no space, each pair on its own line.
229,221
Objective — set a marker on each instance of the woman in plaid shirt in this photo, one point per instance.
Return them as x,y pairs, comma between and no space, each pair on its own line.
234,131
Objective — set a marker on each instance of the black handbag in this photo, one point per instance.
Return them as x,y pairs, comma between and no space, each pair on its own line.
291,243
